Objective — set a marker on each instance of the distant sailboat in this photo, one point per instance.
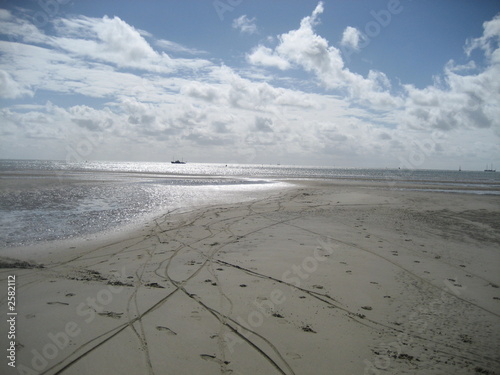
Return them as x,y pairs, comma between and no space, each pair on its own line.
178,161
491,169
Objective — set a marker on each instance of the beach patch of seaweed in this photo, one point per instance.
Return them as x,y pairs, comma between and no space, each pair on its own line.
15,263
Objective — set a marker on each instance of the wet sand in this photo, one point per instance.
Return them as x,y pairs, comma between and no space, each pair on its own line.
326,278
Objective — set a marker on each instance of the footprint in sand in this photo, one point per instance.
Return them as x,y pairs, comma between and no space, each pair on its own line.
111,314
212,358
294,355
167,330
307,328
154,285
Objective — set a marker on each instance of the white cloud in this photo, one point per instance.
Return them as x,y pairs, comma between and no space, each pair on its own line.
263,124
178,48
107,39
243,93
149,109
10,89
304,48
262,55
5,15
245,25
19,29
122,39
467,97
112,40
465,101
351,38
488,41
204,91
462,99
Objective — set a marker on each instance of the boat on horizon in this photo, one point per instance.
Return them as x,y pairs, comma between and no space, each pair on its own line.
177,161
491,169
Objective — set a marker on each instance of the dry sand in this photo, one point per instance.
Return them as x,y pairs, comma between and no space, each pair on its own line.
321,279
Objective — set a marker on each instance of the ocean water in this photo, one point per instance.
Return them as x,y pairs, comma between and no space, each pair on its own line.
48,200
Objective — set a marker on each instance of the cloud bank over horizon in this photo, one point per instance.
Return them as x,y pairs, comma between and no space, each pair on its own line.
292,97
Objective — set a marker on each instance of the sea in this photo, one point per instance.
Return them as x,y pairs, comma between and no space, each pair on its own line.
44,200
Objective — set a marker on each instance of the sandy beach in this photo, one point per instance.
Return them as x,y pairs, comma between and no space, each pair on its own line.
323,278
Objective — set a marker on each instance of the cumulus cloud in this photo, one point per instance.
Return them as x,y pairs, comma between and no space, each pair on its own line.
245,25
235,91
204,91
90,118
350,116
304,48
147,104
120,38
351,38
465,101
265,56
464,97
489,41
467,97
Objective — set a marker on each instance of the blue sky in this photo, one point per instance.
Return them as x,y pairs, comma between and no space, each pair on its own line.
389,83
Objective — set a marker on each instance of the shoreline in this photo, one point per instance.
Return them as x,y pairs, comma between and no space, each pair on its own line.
117,231
323,276
51,208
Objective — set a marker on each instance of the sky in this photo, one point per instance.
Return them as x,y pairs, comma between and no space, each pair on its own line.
364,83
